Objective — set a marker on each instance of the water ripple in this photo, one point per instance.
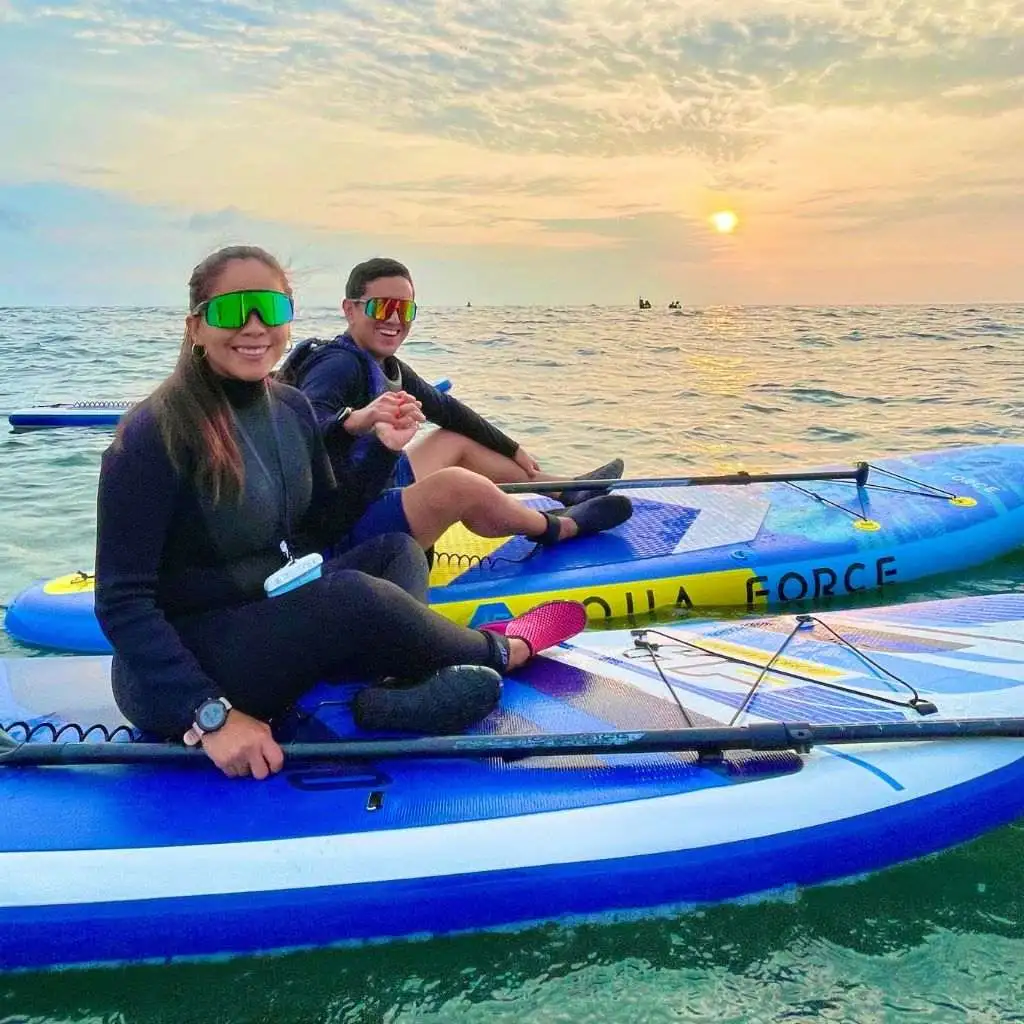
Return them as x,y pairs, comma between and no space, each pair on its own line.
697,390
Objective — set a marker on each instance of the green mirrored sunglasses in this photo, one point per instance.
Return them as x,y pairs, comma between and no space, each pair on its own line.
233,309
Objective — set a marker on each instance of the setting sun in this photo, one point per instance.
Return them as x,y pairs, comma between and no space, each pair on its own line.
724,221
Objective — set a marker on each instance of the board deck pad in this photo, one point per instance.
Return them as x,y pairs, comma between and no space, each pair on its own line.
602,681
676,520
605,680
656,529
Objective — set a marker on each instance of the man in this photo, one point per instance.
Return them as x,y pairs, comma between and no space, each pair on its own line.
365,398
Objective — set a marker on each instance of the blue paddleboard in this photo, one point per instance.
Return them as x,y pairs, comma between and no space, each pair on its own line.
124,863
751,546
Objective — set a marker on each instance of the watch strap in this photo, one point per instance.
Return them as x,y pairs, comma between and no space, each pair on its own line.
195,732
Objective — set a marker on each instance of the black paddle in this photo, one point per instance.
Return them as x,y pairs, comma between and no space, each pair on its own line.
860,475
797,736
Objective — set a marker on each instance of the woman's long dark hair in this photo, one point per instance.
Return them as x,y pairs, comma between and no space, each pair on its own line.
190,406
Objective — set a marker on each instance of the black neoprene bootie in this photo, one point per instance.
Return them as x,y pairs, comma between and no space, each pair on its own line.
609,471
591,516
447,701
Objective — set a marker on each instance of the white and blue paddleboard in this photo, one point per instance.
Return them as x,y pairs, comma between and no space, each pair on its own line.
125,863
752,546
93,413
71,414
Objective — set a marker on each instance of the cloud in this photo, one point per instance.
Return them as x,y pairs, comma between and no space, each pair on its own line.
90,247
604,127
967,208
217,220
634,77
79,169
985,98
591,76
464,184
14,220
653,234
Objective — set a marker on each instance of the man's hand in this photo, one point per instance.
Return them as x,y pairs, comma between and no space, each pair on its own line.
390,407
526,462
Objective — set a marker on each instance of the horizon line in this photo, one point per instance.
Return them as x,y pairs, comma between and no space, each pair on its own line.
578,305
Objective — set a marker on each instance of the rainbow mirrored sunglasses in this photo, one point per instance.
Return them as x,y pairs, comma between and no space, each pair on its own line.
384,309
233,309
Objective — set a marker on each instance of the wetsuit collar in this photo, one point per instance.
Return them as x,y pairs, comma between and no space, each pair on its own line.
243,393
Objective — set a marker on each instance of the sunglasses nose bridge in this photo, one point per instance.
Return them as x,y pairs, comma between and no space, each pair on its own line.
259,321
397,311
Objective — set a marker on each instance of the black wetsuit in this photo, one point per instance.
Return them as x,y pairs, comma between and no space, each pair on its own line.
179,580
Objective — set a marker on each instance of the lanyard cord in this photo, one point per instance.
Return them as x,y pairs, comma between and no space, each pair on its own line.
285,517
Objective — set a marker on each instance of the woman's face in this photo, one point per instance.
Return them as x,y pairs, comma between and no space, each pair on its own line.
250,351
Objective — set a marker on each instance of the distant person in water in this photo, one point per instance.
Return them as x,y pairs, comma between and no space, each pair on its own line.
356,381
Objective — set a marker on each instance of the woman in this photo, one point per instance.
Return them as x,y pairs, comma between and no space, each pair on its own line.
210,483
357,381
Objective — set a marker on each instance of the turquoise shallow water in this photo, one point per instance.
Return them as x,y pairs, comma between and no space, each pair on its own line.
711,389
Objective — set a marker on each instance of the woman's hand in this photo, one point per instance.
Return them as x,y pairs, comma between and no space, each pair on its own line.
390,407
244,746
526,462
397,435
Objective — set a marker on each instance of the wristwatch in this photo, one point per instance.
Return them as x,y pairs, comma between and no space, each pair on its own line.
343,415
209,717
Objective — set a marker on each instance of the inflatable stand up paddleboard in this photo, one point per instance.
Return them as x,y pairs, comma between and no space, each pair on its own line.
677,766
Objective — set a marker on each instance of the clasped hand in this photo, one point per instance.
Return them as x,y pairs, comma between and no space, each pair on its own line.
394,417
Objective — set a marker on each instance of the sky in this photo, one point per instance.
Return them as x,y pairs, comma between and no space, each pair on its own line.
547,152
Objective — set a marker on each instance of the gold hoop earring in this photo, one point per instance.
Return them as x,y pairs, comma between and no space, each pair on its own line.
198,351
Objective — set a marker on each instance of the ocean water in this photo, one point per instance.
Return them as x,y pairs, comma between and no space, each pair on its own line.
715,389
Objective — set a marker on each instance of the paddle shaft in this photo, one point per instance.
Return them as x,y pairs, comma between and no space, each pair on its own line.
860,475
711,741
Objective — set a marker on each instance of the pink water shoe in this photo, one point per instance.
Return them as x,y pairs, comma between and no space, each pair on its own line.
546,625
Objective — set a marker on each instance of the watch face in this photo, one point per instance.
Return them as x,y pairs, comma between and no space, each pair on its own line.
211,715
